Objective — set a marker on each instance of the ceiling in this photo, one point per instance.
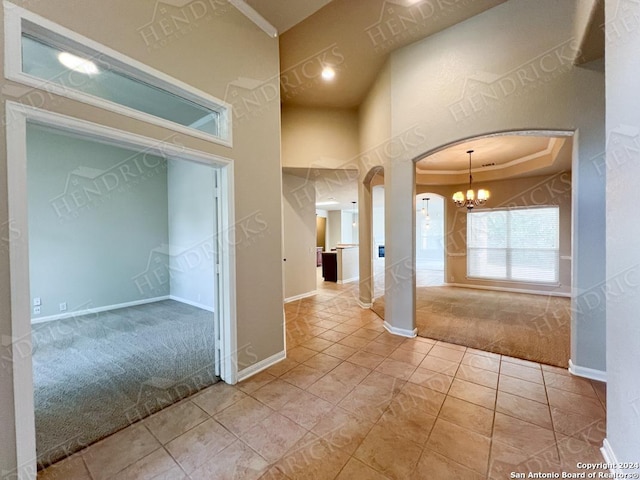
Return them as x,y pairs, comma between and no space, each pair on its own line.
284,14
495,158
355,38
503,157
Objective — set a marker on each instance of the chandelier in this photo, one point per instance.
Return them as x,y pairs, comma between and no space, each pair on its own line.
470,200
425,213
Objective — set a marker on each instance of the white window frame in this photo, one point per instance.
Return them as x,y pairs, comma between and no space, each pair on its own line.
47,30
555,282
18,116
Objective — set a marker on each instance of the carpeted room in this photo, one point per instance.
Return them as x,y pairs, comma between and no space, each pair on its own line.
122,285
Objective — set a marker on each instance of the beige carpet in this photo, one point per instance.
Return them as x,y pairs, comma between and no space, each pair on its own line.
532,327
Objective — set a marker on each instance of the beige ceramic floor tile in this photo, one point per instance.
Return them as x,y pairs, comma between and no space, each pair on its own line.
243,415
281,367
522,435
355,469
340,351
306,409
460,445
407,356
350,373
467,415
71,468
447,353
575,425
366,359
314,461
273,437
430,379
117,452
395,368
480,376
331,388
254,383
524,409
433,466
323,362
481,362
524,373
505,459
195,447
452,346
474,393
342,430
388,453
570,402
300,354
157,465
439,365
570,383
236,462
407,416
302,376
383,349
354,341
276,394
522,388
317,344
175,420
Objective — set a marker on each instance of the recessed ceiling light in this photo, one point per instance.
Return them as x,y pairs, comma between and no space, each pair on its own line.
77,64
328,73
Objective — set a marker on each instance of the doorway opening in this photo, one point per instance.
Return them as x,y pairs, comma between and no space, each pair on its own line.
430,244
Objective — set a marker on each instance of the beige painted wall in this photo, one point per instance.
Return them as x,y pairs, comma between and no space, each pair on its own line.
517,192
299,211
319,137
496,73
198,55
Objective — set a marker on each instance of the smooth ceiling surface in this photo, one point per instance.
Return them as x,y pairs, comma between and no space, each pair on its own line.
355,37
284,14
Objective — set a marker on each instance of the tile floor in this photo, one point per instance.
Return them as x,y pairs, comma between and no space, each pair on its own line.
352,402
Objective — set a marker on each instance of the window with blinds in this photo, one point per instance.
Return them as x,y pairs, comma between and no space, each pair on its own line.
520,245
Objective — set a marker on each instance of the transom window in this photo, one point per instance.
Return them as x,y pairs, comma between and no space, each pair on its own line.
520,245
47,56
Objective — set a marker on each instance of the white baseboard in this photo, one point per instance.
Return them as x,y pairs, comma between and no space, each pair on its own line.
261,365
105,308
585,372
365,305
511,290
301,296
610,458
400,331
193,304
349,280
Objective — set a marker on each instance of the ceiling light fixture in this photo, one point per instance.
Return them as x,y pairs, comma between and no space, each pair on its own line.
425,213
77,64
328,73
322,204
471,199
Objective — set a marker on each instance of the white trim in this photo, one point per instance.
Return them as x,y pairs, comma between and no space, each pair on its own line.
549,293
24,408
261,365
17,116
400,331
364,305
586,372
301,296
248,11
610,458
349,280
201,306
13,71
105,308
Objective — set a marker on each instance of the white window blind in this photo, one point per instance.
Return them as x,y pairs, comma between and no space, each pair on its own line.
519,245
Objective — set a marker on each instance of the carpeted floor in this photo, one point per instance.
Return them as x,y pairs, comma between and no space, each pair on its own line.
96,374
532,327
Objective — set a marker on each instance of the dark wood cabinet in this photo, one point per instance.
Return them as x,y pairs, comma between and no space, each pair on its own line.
330,267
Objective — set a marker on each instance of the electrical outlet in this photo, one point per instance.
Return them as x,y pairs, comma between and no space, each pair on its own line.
36,310
63,307
37,302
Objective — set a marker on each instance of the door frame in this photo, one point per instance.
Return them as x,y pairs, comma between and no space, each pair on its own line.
18,116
